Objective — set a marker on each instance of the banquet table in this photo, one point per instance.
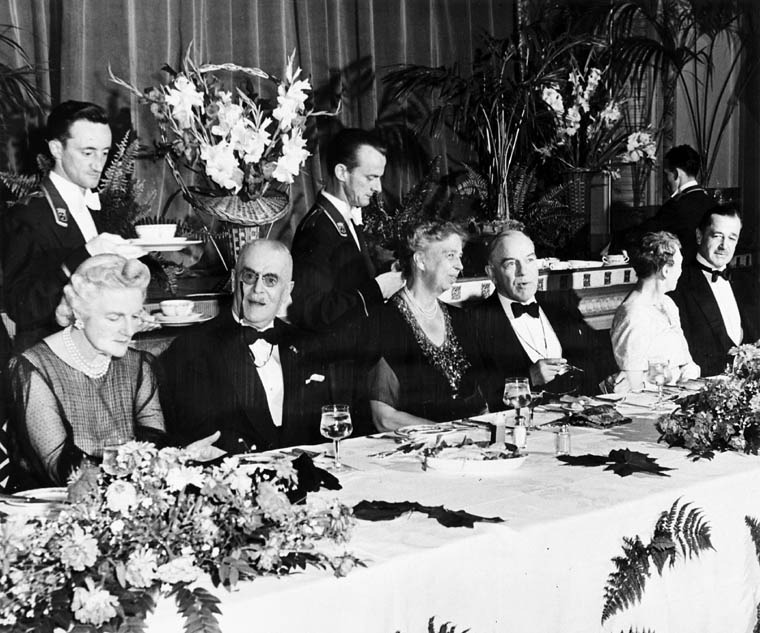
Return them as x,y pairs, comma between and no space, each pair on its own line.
543,569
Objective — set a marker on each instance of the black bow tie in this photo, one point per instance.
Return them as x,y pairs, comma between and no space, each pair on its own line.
531,309
251,335
725,273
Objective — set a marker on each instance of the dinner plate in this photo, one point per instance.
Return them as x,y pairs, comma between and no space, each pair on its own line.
173,244
36,502
415,430
180,321
59,494
475,467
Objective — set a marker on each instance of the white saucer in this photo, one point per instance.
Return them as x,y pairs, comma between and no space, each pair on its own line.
186,319
172,244
584,263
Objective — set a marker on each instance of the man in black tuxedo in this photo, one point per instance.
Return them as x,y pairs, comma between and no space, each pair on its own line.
246,373
718,306
688,202
47,237
335,281
514,336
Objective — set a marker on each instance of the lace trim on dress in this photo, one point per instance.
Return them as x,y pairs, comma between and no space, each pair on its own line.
449,358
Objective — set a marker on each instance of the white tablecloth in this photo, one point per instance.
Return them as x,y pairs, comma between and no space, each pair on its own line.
543,570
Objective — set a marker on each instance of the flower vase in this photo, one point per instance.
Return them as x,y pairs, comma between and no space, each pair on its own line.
234,236
588,195
263,209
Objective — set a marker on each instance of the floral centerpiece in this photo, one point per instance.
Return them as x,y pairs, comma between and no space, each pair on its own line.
151,523
246,149
588,127
724,415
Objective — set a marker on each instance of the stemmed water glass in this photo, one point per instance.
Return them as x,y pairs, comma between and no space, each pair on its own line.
517,395
335,425
658,373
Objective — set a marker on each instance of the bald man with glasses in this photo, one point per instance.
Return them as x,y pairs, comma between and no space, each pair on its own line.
247,373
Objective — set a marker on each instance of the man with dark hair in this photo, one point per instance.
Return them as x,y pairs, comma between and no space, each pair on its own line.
688,201
515,336
335,280
247,373
48,236
718,306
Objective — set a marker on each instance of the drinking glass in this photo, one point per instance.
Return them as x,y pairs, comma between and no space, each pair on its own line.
658,373
517,395
335,425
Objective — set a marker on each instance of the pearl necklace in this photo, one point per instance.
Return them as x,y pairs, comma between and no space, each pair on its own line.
96,369
428,314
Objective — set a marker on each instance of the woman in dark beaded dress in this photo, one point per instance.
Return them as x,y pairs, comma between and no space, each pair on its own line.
423,373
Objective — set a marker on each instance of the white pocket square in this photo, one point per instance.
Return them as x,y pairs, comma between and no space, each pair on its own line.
315,378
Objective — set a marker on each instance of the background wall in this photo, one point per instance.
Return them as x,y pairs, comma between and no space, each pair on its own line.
345,46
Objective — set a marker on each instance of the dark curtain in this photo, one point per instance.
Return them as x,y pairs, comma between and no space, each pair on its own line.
343,45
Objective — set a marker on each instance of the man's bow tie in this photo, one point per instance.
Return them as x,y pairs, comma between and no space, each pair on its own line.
251,335
531,309
92,200
725,273
355,213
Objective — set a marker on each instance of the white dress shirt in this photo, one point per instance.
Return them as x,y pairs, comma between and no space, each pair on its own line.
724,296
537,336
266,357
79,202
349,213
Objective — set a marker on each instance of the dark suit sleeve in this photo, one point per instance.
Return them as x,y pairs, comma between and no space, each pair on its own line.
33,277
319,301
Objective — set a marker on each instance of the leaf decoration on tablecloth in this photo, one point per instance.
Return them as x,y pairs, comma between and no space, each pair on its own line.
622,462
678,531
388,510
311,478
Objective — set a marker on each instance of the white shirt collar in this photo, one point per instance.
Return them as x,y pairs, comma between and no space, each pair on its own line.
686,185
347,211
506,304
73,194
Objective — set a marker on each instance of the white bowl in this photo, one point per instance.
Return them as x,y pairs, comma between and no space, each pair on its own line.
156,232
176,307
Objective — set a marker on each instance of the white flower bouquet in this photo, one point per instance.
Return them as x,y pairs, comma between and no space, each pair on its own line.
241,143
588,124
152,523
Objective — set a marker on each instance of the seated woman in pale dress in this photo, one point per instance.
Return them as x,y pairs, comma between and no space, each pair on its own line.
423,373
83,388
647,327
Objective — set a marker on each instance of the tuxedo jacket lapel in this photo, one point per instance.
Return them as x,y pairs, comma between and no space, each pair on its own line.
66,230
505,338
339,221
700,287
364,250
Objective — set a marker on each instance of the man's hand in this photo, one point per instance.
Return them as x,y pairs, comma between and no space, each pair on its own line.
390,283
546,370
204,450
114,244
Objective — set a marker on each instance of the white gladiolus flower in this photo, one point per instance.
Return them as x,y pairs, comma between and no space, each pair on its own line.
222,168
610,115
229,116
249,141
572,121
182,98
291,100
293,156
553,99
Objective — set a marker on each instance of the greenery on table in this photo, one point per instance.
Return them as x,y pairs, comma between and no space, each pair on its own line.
148,523
680,532
724,415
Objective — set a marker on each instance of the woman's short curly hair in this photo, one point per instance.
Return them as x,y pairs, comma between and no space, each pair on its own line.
654,252
98,273
419,235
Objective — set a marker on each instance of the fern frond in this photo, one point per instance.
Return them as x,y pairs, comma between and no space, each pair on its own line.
625,586
199,608
754,532
19,186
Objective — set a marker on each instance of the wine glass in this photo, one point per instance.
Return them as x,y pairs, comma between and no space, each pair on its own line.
658,373
517,395
335,425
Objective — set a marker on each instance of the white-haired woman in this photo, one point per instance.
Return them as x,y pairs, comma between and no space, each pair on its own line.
84,388
423,372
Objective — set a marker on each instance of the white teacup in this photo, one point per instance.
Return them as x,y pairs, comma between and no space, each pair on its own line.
176,307
615,260
156,232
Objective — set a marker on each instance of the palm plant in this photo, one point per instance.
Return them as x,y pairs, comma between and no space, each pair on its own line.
678,44
494,109
19,95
